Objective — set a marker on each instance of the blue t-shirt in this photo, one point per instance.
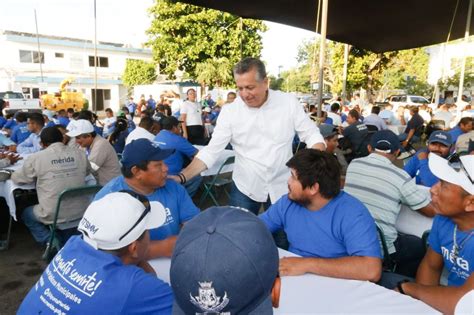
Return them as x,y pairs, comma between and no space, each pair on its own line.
50,124
343,227
441,241
151,104
3,121
20,133
179,206
10,123
63,121
169,140
119,144
455,133
83,280
420,169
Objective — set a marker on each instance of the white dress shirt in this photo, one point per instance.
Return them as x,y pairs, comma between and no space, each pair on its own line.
139,133
193,113
262,140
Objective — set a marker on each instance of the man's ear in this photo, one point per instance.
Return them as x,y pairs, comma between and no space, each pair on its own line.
369,147
133,249
468,203
314,189
135,170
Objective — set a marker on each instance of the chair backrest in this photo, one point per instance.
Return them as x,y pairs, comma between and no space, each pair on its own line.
387,261
372,128
77,198
228,161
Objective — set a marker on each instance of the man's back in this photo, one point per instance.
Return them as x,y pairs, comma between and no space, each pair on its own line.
357,134
169,140
139,133
83,280
54,169
103,156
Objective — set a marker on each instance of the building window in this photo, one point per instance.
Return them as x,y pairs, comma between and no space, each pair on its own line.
107,95
28,56
59,55
103,62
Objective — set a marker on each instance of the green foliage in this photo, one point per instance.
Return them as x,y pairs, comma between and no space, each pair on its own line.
453,80
275,83
183,36
138,72
214,72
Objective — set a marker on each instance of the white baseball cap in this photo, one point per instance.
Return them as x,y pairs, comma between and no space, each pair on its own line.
459,173
120,218
79,127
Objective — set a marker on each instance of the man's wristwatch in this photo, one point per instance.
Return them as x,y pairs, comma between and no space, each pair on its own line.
399,285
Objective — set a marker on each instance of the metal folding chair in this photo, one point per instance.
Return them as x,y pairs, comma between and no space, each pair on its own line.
388,263
217,181
83,196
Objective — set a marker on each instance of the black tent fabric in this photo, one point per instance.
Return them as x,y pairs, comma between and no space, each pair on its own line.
376,25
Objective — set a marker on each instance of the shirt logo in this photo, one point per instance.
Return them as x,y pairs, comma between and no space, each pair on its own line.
208,301
88,226
458,261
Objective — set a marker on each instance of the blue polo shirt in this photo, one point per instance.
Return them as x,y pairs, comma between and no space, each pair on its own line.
63,121
3,121
10,123
455,133
83,280
343,227
420,170
168,140
178,205
20,133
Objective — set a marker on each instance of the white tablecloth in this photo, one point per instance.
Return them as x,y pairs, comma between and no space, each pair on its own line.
397,129
312,294
221,159
412,222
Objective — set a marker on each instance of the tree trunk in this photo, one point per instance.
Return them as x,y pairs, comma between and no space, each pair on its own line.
370,78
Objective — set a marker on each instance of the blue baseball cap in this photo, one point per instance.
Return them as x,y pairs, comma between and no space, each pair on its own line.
441,136
385,141
224,261
141,150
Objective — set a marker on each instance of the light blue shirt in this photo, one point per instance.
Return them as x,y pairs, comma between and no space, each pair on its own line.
376,121
30,145
5,141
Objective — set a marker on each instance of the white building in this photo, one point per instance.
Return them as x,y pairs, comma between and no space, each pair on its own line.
63,58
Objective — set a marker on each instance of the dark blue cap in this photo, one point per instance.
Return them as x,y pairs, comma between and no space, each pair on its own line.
385,141
142,150
441,136
224,261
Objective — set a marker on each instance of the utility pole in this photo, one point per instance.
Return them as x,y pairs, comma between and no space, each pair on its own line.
322,52
39,49
96,61
464,51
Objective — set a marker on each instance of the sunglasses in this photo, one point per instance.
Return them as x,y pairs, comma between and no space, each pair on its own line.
456,163
144,200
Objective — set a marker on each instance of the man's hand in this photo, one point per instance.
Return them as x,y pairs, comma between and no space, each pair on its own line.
423,155
405,143
14,158
12,148
292,266
175,178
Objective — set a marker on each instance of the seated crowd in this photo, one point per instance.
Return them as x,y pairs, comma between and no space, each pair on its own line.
341,205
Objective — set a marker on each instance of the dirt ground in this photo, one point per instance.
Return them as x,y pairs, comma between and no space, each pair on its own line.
21,265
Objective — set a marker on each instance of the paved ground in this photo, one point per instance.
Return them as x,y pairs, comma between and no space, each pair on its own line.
21,265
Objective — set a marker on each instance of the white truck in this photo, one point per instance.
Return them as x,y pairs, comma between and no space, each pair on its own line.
12,102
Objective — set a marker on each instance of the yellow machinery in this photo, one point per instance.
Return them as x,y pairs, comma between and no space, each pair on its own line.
64,99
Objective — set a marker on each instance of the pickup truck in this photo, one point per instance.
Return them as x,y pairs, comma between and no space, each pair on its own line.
12,102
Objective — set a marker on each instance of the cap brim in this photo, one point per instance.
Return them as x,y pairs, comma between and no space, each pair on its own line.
440,168
157,215
265,308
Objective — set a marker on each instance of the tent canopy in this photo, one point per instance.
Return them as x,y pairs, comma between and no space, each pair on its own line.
376,25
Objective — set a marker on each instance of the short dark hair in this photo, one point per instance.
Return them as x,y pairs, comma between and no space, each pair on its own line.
127,170
335,107
160,107
37,118
355,114
465,121
85,114
248,64
232,93
21,116
146,123
414,109
108,110
61,112
375,110
50,135
70,110
314,166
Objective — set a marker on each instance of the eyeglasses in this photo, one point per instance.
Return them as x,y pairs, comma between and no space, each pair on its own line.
144,200
456,163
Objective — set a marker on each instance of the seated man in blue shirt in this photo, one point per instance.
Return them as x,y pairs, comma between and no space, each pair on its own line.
170,138
144,171
465,125
106,268
32,143
451,241
332,231
439,143
20,132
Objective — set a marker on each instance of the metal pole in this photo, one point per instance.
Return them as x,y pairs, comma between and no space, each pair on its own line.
39,48
466,42
344,73
95,56
322,52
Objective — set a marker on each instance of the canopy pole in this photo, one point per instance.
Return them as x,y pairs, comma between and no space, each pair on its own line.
322,52
39,49
96,61
464,53
344,73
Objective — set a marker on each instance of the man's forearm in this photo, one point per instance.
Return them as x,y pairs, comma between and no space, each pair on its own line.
356,268
410,135
162,248
194,168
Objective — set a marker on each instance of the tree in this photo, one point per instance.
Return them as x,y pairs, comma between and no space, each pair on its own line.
182,36
138,72
214,72
455,75
275,83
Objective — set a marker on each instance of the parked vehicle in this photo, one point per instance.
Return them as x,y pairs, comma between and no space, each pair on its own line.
406,100
16,101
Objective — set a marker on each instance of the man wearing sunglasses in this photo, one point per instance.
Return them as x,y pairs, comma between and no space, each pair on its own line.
145,172
105,269
451,241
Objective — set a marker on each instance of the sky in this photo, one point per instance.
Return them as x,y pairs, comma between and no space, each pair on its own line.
125,21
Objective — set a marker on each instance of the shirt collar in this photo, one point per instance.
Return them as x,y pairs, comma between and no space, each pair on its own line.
380,158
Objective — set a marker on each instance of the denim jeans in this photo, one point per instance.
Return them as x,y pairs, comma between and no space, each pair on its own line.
239,199
192,185
410,252
39,231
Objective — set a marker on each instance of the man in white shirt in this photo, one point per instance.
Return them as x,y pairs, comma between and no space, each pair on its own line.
334,115
148,128
260,125
375,120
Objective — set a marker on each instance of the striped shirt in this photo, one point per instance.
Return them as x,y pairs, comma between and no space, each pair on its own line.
382,188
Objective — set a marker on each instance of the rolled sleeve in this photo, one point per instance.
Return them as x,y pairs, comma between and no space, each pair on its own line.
306,129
